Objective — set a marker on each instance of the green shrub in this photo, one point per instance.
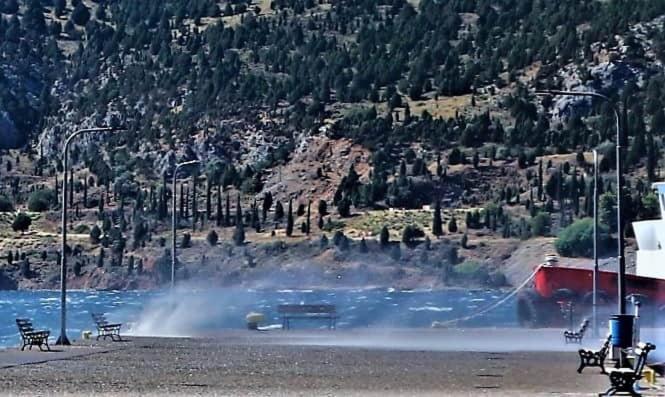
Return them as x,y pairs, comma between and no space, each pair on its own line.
577,239
41,200
21,222
472,270
212,238
540,224
410,234
95,234
6,204
82,229
186,241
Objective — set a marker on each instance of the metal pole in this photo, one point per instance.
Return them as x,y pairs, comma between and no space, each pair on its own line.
173,228
621,276
173,218
62,339
595,243
620,238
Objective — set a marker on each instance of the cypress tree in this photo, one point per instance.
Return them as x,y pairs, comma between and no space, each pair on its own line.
540,180
239,232
267,203
71,188
220,216
187,202
153,200
309,205
57,189
452,225
384,237
289,219
85,192
208,201
195,213
279,211
363,246
227,211
437,228
256,222
652,157
238,210
182,201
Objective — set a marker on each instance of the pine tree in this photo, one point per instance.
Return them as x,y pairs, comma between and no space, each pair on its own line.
289,220
80,14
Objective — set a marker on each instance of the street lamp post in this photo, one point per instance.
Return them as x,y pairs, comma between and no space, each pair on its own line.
173,217
595,243
621,283
62,339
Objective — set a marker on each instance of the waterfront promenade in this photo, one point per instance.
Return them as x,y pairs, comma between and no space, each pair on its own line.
367,362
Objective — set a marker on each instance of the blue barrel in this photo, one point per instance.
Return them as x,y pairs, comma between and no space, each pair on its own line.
621,328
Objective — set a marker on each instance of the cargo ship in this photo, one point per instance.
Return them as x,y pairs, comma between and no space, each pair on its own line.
557,290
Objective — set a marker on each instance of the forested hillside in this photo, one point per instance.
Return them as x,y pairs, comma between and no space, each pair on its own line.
350,120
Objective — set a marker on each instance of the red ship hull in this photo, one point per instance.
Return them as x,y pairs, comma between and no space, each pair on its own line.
550,279
556,285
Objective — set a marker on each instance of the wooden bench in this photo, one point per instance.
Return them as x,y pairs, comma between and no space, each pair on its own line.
571,336
623,379
30,336
590,358
104,328
324,312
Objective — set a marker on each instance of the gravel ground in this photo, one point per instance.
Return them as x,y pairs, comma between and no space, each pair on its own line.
277,363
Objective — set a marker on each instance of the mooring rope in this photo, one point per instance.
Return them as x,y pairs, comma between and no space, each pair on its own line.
438,324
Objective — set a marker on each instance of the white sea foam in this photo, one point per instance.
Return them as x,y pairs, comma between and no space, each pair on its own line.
430,309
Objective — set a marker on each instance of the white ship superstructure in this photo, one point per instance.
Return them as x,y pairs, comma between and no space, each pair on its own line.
650,236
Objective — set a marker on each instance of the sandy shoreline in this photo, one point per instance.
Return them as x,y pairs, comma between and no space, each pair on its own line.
311,363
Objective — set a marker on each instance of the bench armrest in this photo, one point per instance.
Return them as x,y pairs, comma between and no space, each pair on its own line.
109,326
37,333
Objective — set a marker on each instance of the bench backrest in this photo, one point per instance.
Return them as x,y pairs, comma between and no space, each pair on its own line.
24,325
99,318
306,309
642,351
606,345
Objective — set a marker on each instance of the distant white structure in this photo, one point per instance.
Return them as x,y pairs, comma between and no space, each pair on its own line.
650,236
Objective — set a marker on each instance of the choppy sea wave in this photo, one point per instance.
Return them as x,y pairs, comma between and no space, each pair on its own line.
190,311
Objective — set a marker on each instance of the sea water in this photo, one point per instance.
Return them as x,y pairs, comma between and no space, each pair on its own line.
188,312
